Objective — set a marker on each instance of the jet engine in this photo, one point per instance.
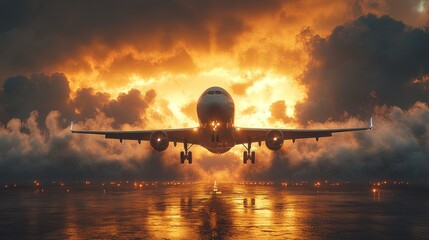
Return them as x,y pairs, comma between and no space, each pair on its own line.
159,140
274,140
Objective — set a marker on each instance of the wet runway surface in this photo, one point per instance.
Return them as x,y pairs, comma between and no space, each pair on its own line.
195,211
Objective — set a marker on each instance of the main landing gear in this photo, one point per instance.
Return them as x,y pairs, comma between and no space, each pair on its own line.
248,155
186,155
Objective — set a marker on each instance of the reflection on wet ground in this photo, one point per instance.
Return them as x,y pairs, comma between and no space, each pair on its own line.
196,211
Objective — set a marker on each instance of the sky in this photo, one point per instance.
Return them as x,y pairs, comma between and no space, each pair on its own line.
142,64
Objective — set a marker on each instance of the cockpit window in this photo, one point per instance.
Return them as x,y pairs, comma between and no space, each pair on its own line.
216,92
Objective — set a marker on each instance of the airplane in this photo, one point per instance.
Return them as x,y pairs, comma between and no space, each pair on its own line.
216,131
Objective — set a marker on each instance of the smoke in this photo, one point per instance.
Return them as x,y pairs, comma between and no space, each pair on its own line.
56,154
397,148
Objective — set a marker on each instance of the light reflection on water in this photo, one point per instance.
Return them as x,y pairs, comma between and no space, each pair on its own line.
194,212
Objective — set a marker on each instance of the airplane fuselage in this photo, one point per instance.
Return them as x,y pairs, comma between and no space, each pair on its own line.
215,110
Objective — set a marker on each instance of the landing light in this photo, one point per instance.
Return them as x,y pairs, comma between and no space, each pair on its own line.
275,139
159,139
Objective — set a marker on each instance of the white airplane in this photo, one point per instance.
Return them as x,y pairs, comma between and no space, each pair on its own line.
217,132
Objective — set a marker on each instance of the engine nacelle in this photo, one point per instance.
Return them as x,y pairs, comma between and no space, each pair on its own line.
159,140
274,140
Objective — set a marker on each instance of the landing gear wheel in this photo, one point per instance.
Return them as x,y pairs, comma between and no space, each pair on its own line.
190,157
245,157
182,157
253,158
186,155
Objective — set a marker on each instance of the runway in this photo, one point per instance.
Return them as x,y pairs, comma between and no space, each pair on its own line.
176,210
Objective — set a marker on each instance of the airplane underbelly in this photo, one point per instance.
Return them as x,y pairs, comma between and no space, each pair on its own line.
221,145
218,150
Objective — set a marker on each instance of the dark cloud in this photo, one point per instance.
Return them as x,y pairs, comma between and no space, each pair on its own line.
128,108
228,29
36,36
88,104
372,60
413,12
42,93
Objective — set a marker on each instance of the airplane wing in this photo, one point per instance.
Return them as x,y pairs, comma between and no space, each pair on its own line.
174,135
244,135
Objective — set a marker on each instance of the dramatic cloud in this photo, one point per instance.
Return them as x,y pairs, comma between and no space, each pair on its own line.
41,93
373,60
89,104
128,108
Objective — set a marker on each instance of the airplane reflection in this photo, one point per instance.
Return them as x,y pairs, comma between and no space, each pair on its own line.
216,219
246,204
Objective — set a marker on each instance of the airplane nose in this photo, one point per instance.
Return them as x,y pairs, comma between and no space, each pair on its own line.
211,108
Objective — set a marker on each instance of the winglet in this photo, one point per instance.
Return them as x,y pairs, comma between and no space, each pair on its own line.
71,127
370,123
